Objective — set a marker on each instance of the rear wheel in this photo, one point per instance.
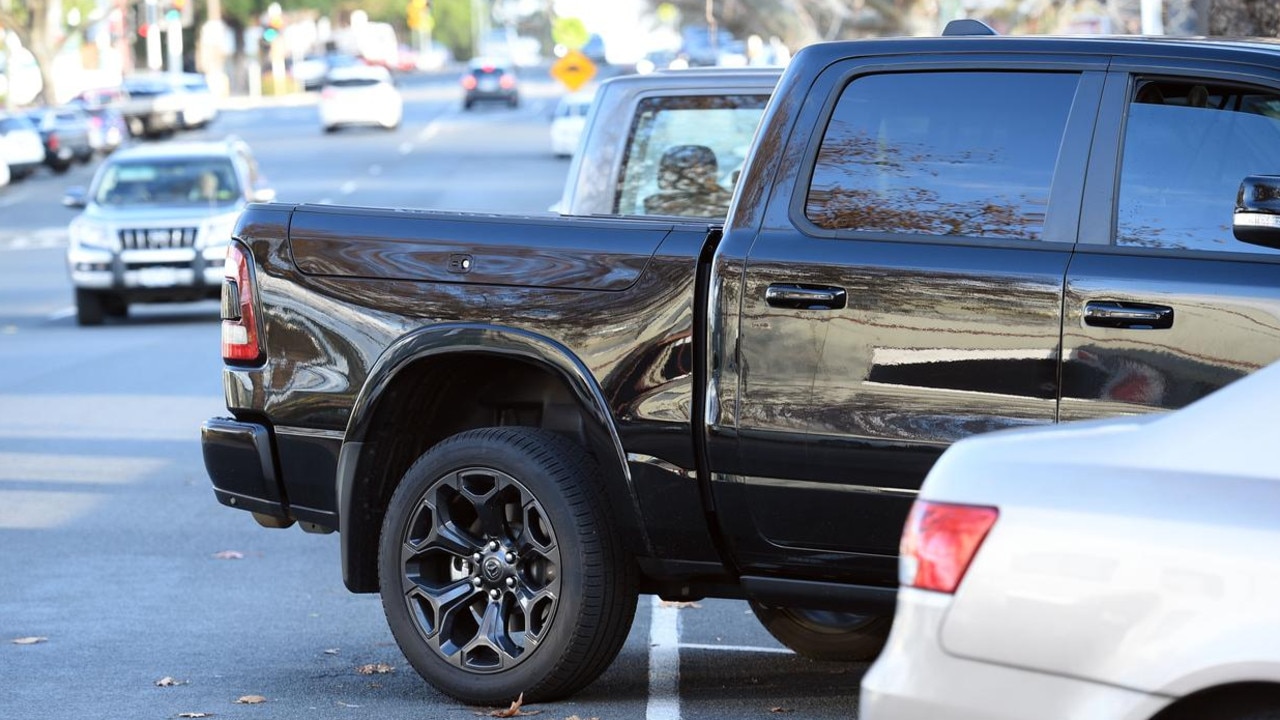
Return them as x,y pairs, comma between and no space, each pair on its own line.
500,570
89,310
823,634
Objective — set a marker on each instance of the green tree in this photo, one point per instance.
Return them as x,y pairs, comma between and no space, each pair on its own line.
452,20
30,20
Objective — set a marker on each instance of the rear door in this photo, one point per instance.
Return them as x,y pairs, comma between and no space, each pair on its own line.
906,295
1163,304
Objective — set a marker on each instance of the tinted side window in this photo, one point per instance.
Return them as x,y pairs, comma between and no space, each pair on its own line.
1187,147
958,153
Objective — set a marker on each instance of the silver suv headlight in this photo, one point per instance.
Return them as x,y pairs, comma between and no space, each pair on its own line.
89,234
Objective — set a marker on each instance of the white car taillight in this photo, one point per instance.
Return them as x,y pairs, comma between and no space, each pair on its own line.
239,319
939,542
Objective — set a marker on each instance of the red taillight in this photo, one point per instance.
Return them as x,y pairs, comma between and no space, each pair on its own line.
939,542
507,82
239,320
468,82
54,142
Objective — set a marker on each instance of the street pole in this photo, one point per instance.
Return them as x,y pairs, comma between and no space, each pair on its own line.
211,41
154,59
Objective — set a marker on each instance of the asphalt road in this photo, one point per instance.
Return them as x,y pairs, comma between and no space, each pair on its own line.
115,556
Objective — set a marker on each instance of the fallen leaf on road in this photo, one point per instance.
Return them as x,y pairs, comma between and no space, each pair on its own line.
29,640
331,651
778,710
167,681
251,700
343,704
514,710
195,715
375,669
680,605
228,555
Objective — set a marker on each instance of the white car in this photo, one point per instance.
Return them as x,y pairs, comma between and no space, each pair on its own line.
1121,569
569,120
199,104
156,223
21,148
360,95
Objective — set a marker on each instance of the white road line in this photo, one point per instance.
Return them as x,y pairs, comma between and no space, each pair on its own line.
65,312
430,131
664,662
736,648
348,187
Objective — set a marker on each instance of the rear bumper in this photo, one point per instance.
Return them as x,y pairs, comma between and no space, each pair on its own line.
239,459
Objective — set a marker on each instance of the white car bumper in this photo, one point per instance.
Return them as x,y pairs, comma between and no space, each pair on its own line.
916,679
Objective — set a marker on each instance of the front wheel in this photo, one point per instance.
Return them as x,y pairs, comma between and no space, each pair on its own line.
500,570
825,635
89,309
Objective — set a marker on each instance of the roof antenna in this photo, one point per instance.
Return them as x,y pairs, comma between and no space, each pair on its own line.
967,26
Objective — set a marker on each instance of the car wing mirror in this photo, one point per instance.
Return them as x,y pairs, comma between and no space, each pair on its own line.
1257,216
74,198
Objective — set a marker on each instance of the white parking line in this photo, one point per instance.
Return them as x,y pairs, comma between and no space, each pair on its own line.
664,662
736,648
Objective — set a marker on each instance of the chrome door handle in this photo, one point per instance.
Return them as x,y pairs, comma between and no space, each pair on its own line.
1136,316
806,297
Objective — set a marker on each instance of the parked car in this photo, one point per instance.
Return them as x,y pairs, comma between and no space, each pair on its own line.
490,80
21,147
155,224
360,95
310,71
1118,568
569,120
65,134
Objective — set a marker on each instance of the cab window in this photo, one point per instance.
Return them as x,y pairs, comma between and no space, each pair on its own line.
1187,146
953,154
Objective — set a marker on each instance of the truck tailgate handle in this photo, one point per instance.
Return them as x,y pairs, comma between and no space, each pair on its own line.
1135,316
806,297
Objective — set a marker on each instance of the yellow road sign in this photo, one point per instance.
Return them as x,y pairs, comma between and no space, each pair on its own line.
574,70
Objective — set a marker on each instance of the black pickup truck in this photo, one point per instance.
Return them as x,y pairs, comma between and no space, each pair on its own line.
519,423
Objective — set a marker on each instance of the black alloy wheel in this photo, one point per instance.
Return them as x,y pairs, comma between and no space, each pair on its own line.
500,573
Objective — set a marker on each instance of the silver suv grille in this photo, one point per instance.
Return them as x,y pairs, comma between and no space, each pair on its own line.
157,238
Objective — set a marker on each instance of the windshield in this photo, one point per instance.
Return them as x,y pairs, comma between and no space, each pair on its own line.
167,181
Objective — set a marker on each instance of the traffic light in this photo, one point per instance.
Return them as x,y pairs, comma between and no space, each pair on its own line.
274,24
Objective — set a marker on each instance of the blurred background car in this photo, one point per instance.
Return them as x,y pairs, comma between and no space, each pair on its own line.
21,148
4,173
65,134
360,95
198,106
490,80
107,128
150,105
569,120
310,71
1119,568
156,222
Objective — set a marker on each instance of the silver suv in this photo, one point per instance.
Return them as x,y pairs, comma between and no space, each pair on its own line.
155,224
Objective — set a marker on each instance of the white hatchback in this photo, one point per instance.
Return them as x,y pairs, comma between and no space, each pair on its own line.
21,148
1121,569
569,121
360,95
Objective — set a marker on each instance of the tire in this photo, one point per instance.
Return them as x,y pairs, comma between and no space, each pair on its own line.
115,306
330,129
825,635
454,560
61,167
89,310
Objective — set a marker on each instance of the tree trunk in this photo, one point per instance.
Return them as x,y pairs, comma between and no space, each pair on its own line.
1244,18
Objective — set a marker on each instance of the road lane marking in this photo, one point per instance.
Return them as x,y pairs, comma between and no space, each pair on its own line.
664,661
86,469
348,187
64,313
736,648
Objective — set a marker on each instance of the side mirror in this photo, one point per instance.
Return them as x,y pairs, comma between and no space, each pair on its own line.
1257,217
74,198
